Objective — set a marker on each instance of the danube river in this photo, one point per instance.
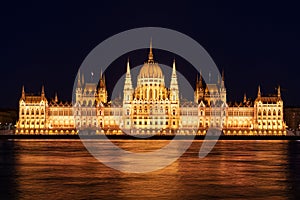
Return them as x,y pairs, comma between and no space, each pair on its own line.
64,169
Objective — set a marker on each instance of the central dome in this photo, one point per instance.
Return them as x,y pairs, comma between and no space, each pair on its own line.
151,70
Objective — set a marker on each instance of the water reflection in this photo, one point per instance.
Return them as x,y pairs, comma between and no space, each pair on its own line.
8,186
293,169
234,169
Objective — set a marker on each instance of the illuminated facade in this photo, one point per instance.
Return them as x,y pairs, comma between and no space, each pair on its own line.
151,107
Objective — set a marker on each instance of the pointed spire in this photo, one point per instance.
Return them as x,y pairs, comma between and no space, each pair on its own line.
128,89
174,82
55,98
223,76
23,92
245,98
103,77
82,79
101,74
201,80
174,68
102,82
43,91
258,93
128,67
150,56
223,80
78,80
278,91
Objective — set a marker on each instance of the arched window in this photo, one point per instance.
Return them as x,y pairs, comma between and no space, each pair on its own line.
279,112
274,112
265,113
32,112
22,111
269,112
259,112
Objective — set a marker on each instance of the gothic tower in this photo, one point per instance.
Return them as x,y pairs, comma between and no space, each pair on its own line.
223,89
127,98
199,90
174,98
102,92
78,91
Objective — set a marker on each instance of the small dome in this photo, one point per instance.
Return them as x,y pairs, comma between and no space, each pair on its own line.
151,70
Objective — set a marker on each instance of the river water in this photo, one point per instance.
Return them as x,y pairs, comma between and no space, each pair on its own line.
64,169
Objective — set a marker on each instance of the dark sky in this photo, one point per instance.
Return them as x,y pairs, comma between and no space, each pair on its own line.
257,43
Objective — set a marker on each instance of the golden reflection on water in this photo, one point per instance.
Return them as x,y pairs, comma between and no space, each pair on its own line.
65,170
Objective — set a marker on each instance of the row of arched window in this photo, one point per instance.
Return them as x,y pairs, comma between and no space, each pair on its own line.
32,111
265,113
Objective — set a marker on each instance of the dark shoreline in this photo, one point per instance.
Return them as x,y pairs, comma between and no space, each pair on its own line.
156,137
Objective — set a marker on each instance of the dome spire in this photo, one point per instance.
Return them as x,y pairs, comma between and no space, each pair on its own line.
150,56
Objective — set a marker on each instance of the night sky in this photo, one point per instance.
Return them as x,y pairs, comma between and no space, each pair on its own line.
255,43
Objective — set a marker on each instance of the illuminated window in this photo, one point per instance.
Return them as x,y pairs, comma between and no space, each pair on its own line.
265,113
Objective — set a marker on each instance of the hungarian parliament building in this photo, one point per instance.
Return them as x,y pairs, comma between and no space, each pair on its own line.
150,108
